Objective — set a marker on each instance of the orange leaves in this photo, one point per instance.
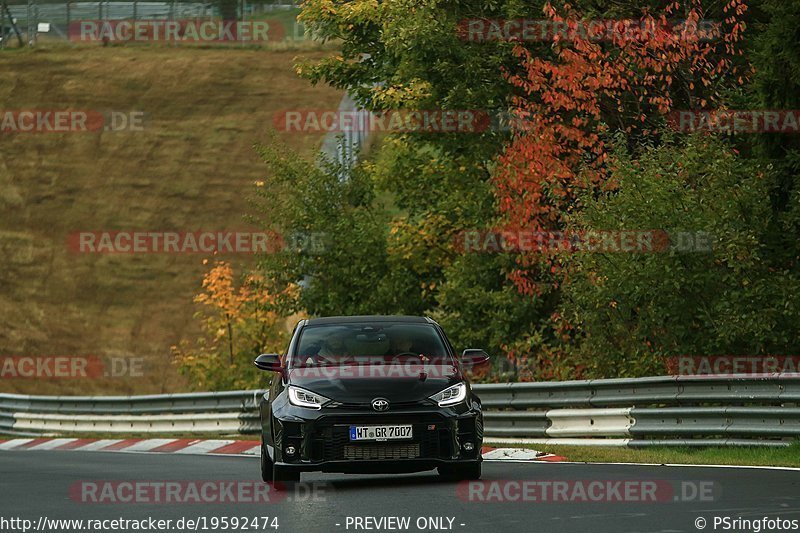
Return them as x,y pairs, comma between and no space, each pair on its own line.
589,88
238,321
234,303
220,292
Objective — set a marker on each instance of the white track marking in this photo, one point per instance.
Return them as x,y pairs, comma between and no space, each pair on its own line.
98,445
10,445
147,445
255,450
50,444
202,447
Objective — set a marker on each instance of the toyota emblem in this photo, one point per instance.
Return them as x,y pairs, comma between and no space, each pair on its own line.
380,404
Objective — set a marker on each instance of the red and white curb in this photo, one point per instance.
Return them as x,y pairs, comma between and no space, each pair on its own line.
518,454
212,447
180,446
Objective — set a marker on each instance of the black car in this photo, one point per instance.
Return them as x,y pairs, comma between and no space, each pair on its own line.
370,394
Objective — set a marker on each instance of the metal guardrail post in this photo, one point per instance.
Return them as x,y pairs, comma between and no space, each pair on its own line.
29,19
3,36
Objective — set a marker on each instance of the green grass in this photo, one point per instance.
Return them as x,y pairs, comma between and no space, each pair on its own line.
755,456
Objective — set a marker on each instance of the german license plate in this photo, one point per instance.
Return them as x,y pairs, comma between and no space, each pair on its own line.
380,433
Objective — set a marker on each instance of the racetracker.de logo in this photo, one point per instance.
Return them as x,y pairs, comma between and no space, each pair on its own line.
174,492
176,31
175,242
587,491
70,367
19,121
731,122
594,241
410,370
612,30
403,121
731,365
191,492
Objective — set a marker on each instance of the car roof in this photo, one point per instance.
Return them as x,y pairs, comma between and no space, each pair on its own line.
368,318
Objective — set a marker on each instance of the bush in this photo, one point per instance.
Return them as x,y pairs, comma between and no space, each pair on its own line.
635,309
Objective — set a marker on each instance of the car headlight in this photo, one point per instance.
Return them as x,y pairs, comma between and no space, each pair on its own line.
451,395
304,398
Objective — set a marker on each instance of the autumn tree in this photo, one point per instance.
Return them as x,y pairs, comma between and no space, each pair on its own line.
570,99
238,322
573,104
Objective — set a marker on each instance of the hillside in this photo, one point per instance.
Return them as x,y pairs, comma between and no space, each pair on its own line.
191,167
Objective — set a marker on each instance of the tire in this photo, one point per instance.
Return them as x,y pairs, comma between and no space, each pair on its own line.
266,465
276,475
284,474
471,471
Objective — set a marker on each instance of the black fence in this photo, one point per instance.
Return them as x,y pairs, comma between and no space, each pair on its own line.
47,19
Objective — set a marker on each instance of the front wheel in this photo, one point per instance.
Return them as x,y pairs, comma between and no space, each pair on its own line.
470,471
276,475
266,465
285,474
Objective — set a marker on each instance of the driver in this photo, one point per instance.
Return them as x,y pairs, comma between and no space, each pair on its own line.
403,344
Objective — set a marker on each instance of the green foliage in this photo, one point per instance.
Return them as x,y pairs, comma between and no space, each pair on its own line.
335,235
413,51
408,55
388,232
478,307
776,85
385,246
633,309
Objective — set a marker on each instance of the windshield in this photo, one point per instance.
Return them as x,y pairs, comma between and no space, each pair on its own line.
356,344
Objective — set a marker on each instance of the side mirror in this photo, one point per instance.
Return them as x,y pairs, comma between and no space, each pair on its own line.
472,358
269,361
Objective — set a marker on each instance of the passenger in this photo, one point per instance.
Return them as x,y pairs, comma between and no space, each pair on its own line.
333,351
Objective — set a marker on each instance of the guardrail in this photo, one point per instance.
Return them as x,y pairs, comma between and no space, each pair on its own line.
737,410
671,410
234,412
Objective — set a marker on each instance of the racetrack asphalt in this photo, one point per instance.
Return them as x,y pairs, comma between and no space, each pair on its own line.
522,496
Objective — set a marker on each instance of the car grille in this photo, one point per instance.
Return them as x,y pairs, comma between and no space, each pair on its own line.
382,451
331,439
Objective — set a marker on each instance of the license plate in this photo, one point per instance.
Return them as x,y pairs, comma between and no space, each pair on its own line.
380,433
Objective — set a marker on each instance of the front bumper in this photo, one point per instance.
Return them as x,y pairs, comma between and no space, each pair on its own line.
321,439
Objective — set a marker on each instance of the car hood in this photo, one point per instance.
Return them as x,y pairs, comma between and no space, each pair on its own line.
362,384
